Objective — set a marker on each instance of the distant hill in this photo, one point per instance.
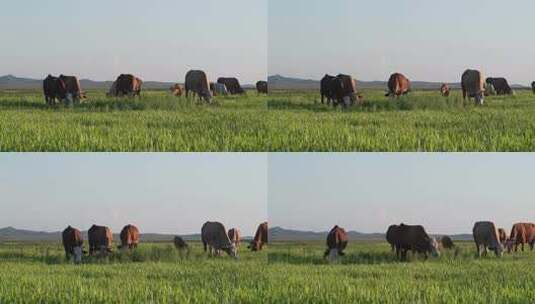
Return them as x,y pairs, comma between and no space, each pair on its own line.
278,82
282,234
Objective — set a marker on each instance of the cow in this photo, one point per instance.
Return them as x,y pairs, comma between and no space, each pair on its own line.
398,85
533,87
177,90
54,89
446,242
214,239
344,90
500,85
218,89
336,243
232,84
129,237
180,244
413,237
128,85
235,237
72,86
197,83
521,233
486,237
260,237
473,86
100,239
73,244
262,87
503,236
445,90
325,88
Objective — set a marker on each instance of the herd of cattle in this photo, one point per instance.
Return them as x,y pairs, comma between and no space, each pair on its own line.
67,89
403,238
342,89
215,238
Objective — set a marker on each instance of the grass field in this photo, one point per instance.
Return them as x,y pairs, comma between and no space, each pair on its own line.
282,121
153,273
369,274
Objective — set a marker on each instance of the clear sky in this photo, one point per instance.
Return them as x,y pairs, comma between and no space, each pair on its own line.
425,40
163,193
446,193
157,40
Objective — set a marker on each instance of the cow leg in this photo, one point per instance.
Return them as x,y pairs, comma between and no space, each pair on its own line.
522,246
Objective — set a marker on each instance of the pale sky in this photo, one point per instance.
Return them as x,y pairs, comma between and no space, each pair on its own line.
161,193
425,40
446,193
156,40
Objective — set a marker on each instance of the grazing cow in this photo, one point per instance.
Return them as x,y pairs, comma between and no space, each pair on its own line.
262,87
127,85
100,239
503,236
232,84
413,237
129,237
197,83
398,85
325,88
533,87
500,85
521,233
72,86
473,86
336,243
344,90
445,90
260,237
54,88
214,238
446,242
177,90
218,89
73,244
486,237
235,237
180,244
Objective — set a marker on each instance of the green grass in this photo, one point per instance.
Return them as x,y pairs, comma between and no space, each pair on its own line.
153,273
369,274
282,121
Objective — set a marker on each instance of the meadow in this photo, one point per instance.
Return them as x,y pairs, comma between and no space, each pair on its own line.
368,273
152,273
282,121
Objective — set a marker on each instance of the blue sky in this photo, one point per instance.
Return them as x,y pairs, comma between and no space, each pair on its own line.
166,193
446,193
426,40
157,40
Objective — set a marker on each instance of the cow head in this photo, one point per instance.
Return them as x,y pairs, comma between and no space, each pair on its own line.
433,247
232,251
509,245
77,252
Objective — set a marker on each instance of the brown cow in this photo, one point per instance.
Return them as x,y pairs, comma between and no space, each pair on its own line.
262,87
445,90
413,237
260,237
100,239
177,90
235,237
503,236
197,83
336,243
398,85
127,85
473,86
73,244
521,233
232,84
54,89
344,90
446,242
129,237
74,90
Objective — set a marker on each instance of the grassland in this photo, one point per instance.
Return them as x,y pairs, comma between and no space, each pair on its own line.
153,273
282,121
369,274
